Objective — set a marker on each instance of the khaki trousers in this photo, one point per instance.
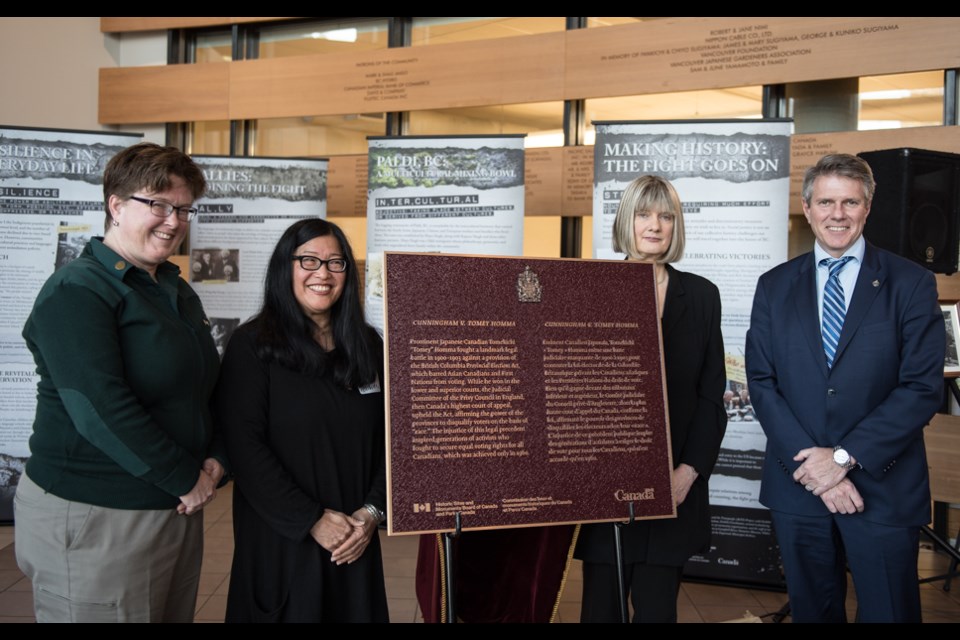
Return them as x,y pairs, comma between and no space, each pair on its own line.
94,564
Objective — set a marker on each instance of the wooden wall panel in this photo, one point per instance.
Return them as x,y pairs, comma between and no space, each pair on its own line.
577,181
509,70
543,181
175,93
347,186
942,438
683,54
651,57
807,148
140,23
948,290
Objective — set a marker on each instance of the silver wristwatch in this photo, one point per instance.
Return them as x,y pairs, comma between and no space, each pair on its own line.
842,457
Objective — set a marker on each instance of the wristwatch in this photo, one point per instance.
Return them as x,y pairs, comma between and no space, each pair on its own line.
843,458
378,515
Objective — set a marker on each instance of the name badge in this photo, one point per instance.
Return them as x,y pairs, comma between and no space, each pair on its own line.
373,387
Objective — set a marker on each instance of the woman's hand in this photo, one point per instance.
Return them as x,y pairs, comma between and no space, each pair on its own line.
334,529
214,469
354,546
204,491
683,477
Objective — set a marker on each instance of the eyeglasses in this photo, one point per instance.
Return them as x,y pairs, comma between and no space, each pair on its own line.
313,263
164,209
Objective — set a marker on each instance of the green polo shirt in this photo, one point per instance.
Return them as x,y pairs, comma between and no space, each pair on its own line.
126,367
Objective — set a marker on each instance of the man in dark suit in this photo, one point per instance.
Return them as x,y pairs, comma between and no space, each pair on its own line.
844,361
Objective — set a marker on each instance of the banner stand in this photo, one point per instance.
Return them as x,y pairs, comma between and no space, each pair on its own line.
51,205
448,539
733,178
618,546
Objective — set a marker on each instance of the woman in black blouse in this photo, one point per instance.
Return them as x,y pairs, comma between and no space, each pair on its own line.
649,228
300,402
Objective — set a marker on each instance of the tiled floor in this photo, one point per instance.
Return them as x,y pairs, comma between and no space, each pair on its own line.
697,602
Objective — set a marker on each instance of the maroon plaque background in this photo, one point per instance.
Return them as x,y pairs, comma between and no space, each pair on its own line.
519,413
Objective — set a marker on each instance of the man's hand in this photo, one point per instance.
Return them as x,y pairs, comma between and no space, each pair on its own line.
818,472
843,498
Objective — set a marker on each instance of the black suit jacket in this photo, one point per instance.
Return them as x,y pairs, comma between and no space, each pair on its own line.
694,362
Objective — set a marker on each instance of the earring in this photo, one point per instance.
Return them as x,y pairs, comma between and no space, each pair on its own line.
116,223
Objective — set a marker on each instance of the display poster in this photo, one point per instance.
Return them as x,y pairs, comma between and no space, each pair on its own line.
733,180
51,204
441,194
249,203
523,392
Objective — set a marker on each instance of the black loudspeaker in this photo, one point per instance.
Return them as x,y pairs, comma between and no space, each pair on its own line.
916,206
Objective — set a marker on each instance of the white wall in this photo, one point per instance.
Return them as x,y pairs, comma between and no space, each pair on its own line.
49,71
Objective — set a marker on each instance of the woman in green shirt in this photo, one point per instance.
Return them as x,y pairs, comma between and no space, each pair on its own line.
108,522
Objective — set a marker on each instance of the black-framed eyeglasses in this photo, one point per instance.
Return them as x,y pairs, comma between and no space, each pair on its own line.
313,263
164,209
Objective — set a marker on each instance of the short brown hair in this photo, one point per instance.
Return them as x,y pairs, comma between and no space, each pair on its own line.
845,166
648,193
149,166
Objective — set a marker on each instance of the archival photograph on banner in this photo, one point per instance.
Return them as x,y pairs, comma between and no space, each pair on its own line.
733,180
441,194
248,205
51,204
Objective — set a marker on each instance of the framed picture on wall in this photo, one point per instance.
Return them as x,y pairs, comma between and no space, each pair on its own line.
951,360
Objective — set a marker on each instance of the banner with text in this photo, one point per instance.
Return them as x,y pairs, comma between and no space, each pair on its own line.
249,203
441,194
733,178
51,204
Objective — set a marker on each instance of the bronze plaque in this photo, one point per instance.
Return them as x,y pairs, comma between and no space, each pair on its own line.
523,392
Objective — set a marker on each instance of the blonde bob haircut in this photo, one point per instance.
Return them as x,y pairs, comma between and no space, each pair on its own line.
648,193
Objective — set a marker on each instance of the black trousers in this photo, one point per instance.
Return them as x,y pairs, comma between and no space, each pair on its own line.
653,591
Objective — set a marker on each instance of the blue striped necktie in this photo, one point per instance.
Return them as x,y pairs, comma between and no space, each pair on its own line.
834,307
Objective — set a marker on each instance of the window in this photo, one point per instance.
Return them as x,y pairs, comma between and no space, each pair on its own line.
901,100
443,30
316,135
306,38
212,46
741,102
541,121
